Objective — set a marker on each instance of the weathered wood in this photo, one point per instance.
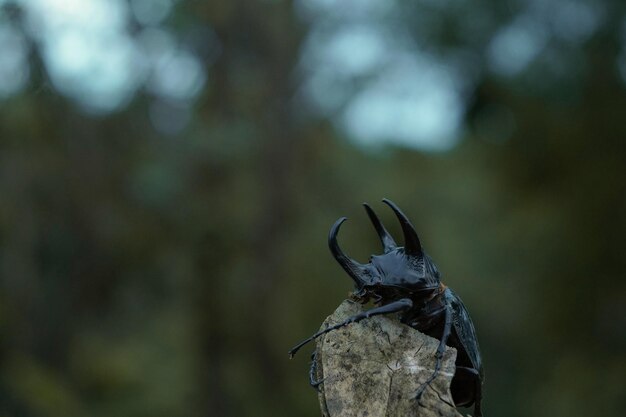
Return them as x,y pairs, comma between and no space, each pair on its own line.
374,368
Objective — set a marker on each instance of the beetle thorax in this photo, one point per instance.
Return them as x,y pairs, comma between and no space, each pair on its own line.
398,269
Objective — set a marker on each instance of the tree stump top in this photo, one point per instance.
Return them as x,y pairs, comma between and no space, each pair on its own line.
375,367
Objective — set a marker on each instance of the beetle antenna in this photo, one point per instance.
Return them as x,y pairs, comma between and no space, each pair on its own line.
351,266
385,238
412,243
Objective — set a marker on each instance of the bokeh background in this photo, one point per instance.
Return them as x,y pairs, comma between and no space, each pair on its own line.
169,171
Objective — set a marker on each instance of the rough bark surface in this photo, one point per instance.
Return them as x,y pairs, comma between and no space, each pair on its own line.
373,368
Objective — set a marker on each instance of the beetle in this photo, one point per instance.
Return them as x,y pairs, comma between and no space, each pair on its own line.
405,280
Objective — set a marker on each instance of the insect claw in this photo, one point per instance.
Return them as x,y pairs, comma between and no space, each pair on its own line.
420,391
316,384
313,373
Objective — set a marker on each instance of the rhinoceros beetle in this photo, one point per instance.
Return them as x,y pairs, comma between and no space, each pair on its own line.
405,280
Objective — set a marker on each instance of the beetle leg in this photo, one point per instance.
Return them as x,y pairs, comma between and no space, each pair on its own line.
447,328
313,372
477,406
395,307
466,388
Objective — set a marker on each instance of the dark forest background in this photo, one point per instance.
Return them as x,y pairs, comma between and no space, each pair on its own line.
162,249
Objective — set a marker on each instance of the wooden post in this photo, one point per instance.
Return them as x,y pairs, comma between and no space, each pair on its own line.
373,368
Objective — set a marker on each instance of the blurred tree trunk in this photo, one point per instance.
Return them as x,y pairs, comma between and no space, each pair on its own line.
271,56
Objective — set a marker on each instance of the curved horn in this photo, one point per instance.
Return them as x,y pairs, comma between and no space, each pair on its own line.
385,238
412,243
349,265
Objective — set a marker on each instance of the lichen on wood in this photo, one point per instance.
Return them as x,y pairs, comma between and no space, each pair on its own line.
374,368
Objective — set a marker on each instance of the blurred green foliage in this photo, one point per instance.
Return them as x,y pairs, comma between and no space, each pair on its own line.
152,275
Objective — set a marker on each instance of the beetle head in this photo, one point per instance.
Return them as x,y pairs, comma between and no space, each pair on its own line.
400,270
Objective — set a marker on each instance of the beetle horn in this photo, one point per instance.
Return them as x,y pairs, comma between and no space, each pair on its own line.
385,238
351,266
412,243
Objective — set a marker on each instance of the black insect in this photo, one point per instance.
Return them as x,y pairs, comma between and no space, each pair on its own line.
405,280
